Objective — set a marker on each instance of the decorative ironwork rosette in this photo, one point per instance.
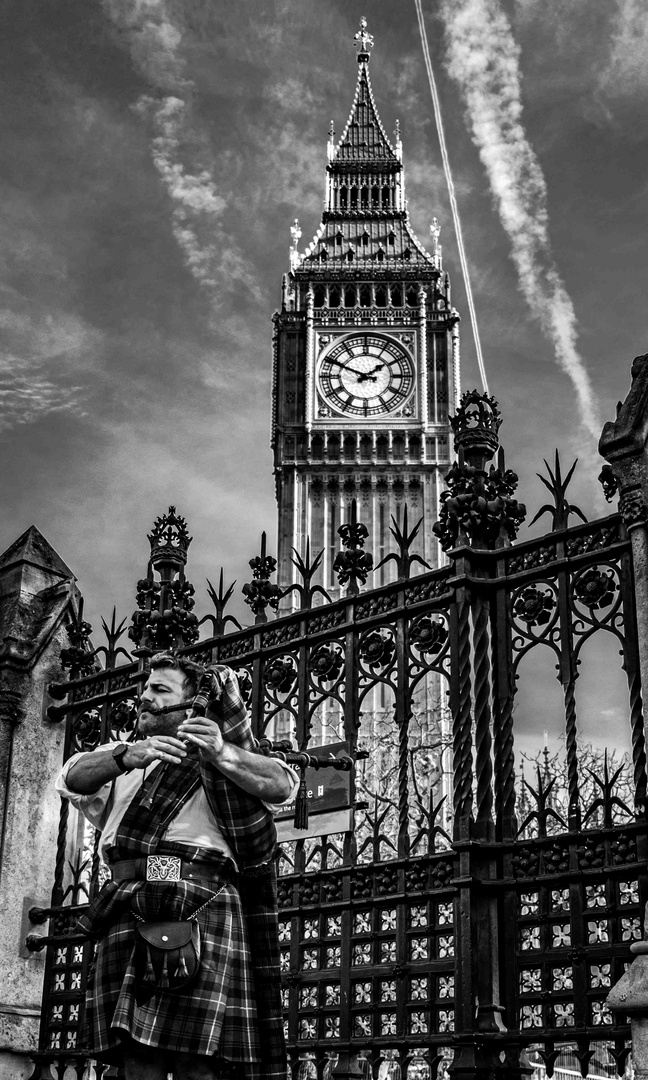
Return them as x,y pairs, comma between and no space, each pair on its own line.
534,615
280,690
376,658
86,730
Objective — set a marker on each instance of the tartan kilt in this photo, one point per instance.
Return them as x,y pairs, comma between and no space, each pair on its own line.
214,1015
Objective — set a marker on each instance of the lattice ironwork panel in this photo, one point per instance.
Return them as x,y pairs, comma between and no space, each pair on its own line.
572,945
377,969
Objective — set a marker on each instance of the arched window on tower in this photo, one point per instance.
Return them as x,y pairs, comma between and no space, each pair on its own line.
398,448
317,448
364,197
375,197
365,448
365,296
366,238
412,296
414,447
350,296
335,295
382,447
397,295
391,237
354,197
381,293
333,448
344,195
320,295
386,197
380,254
349,447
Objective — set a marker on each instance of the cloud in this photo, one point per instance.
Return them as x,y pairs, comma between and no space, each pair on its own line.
180,151
626,75
46,358
26,395
483,59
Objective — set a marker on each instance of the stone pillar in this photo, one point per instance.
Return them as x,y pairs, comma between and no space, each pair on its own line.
37,601
630,996
624,445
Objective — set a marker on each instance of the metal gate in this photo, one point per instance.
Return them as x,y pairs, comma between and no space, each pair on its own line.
471,921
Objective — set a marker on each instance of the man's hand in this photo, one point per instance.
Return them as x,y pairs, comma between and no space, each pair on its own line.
156,748
93,770
254,773
205,735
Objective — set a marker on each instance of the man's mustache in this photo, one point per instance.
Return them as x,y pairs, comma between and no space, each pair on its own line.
145,707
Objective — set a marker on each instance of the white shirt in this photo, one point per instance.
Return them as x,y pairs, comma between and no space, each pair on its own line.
194,824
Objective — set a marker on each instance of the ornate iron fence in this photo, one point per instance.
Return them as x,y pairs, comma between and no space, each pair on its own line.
451,929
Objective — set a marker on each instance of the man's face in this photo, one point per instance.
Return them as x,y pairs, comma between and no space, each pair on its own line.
165,686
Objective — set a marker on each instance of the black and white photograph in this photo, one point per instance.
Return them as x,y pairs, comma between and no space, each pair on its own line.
324,545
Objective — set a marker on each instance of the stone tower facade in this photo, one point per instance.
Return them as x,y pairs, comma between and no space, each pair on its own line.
366,355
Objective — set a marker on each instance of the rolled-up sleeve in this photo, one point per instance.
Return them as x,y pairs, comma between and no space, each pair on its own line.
95,807
293,777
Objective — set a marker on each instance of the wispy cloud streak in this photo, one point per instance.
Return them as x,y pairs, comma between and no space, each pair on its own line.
44,362
179,153
483,58
626,74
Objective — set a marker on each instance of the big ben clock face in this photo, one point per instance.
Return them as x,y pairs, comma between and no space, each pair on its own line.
366,375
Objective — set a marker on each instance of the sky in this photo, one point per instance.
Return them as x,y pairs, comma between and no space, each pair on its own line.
155,154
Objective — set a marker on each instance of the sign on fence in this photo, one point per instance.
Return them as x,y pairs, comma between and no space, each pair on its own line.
329,800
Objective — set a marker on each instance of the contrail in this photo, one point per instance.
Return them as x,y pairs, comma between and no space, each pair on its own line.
483,58
453,200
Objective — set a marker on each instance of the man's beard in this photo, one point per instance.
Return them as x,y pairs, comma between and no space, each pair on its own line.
151,723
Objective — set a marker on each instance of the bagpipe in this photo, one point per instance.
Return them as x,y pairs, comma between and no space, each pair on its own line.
208,692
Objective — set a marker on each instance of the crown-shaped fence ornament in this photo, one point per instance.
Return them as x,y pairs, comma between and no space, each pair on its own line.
169,539
165,618
476,426
478,507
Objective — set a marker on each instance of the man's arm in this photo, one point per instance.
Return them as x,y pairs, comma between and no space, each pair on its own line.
254,773
93,770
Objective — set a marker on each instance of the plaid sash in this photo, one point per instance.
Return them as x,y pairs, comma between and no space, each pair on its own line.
250,832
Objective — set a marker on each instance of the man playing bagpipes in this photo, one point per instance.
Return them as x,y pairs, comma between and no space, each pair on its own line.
186,975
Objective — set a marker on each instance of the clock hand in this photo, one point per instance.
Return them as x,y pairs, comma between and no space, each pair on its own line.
362,375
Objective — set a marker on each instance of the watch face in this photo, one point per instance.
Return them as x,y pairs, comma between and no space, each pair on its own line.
366,375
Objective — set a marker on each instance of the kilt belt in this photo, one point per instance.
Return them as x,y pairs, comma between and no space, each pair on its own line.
173,868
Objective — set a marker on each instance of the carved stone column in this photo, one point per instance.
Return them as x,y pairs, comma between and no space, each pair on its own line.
624,444
38,601
630,996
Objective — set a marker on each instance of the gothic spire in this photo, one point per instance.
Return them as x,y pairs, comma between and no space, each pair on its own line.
364,138
365,221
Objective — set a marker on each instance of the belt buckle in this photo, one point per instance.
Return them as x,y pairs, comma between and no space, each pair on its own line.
163,868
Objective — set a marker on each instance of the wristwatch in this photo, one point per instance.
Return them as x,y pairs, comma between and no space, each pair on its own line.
118,757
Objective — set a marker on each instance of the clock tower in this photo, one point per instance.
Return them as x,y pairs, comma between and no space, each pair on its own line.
366,356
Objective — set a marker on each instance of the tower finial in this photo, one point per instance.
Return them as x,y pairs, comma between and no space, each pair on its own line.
364,41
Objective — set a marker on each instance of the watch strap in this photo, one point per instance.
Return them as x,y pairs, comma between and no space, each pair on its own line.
118,757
